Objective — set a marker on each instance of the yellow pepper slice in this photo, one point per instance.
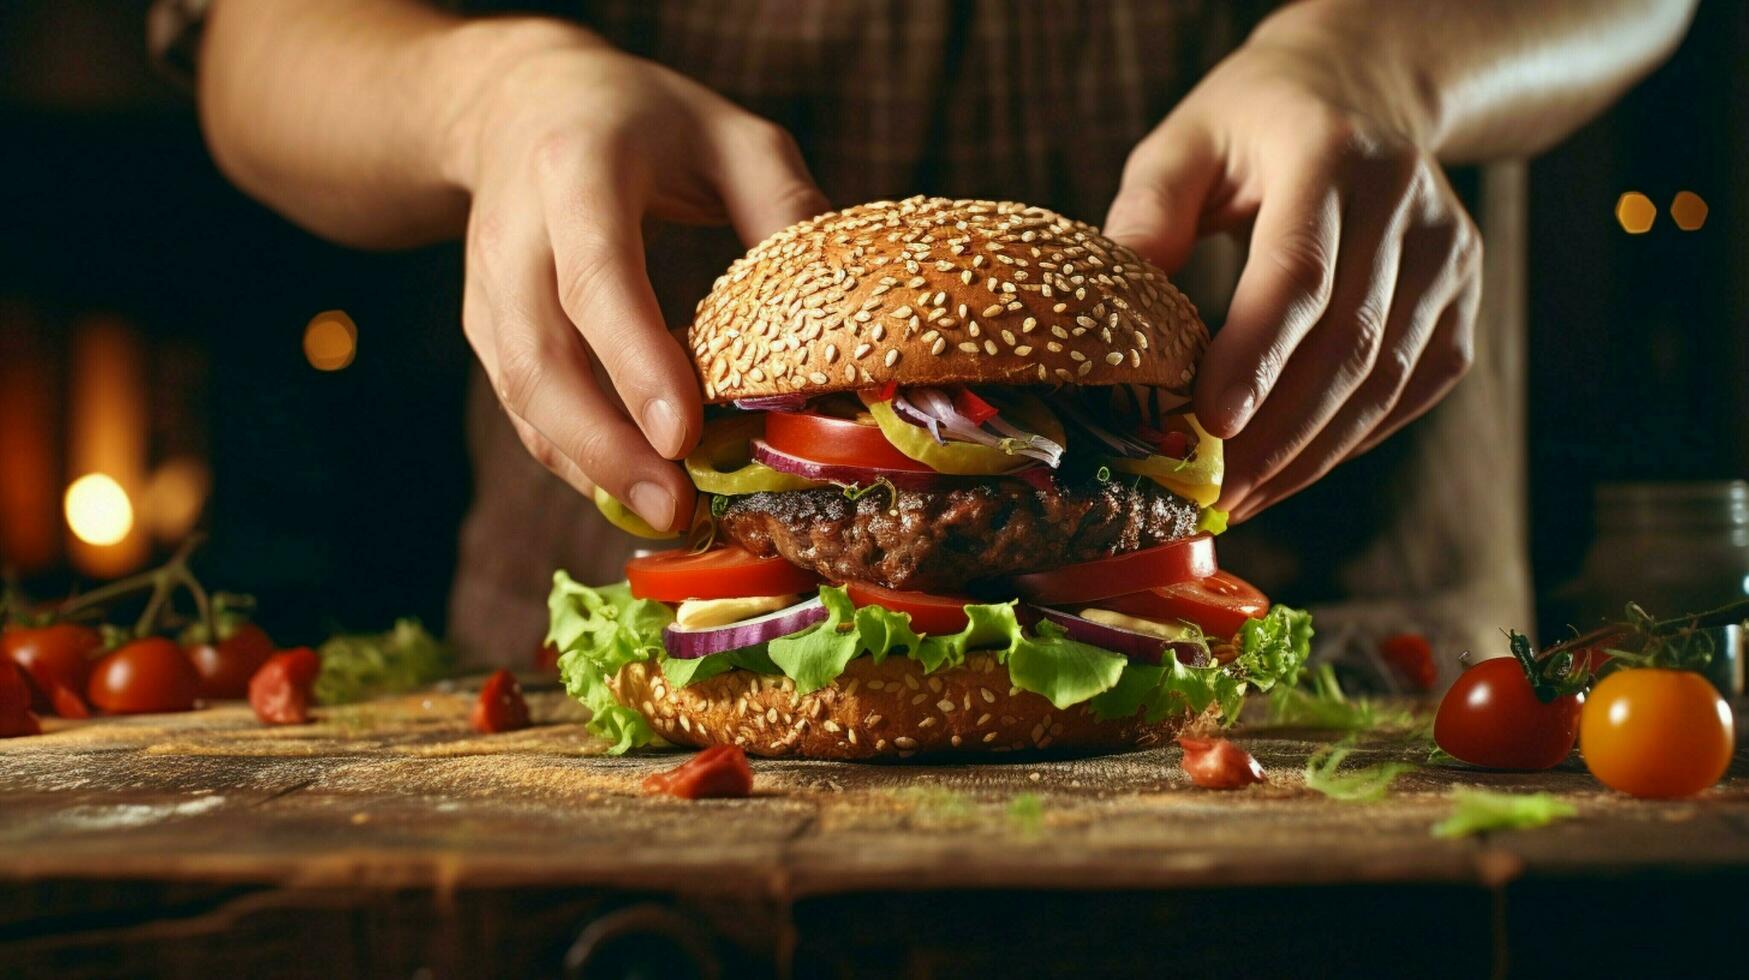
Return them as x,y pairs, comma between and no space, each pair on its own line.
723,462
626,519
965,458
1197,479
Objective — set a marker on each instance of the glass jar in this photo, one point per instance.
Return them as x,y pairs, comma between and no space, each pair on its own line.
1673,548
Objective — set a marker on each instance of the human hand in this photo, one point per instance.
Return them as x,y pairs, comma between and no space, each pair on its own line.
1355,312
564,154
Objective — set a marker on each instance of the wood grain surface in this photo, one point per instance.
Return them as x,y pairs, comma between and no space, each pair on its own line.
387,838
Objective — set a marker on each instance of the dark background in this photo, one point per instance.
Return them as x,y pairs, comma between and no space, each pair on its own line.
336,496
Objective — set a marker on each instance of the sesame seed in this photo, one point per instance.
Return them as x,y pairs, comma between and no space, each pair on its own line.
973,328
915,283
1085,367
939,345
1076,355
900,313
927,722
990,737
919,699
911,682
1023,350
994,309
818,378
831,353
967,277
940,298
871,721
905,742
892,357
1028,325
1008,337
968,347
1060,308
990,347
861,350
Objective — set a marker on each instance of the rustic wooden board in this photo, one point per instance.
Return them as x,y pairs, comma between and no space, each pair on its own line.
117,833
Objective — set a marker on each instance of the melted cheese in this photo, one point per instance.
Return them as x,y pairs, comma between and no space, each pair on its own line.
696,614
1106,617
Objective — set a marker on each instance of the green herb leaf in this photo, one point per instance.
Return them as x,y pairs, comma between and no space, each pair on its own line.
356,666
1366,784
1475,811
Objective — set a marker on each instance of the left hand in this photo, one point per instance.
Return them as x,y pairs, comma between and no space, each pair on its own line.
1356,309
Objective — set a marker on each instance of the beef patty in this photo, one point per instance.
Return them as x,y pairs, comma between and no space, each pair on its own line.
948,540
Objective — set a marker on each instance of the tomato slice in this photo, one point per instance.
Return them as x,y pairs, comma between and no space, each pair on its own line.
1174,561
1219,604
825,439
720,573
929,613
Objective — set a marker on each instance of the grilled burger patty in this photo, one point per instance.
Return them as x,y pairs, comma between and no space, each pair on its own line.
946,540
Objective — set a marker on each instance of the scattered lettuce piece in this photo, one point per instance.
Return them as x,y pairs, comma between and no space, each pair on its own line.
1474,811
1366,784
1212,520
1320,702
357,666
1026,813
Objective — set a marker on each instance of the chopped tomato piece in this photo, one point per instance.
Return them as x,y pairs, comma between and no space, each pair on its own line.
929,613
967,403
718,772
280,692
1166,564
52,656
1215,763
15,714
1411,656
720,573
501,707
1218,604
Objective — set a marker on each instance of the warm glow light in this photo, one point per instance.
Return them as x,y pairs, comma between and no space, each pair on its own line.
98,510
1635,212
175,494
330,340
1688,210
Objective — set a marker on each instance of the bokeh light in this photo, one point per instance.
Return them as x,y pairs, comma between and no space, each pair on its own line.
98,509
1635,212
1688,210
330,340
174,497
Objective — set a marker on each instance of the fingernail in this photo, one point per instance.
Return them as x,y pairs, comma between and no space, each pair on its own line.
654,504
1236,406
663,427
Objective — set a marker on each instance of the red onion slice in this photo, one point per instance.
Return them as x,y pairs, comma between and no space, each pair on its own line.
1139,647
685,644
773,403
860,476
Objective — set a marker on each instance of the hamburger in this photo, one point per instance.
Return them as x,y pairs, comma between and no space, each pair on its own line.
952,499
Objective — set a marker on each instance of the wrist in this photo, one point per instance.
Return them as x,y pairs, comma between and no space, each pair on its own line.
1362,59
467,64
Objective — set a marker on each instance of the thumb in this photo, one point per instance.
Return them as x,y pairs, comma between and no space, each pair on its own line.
1159,203
763,181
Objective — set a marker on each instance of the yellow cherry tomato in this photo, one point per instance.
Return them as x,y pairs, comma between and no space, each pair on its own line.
1656,733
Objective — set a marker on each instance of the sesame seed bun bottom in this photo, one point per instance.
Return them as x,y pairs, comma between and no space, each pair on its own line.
887,710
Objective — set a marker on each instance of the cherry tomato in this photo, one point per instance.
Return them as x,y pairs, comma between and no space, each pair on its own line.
1656,733
54,657
929,613
720,573
1219,604
1492,718
280,692
501,707
224,668
1166,564
719,771
1411,656
1215,763
15,716
825,439
144,676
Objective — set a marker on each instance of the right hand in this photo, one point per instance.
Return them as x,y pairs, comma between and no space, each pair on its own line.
565,153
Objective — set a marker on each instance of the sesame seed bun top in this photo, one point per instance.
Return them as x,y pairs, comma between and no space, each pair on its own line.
933,291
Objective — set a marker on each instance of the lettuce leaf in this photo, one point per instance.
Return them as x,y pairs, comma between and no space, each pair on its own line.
1475,811
599,631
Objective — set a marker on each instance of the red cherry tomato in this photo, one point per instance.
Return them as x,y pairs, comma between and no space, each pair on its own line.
1491,717
280,692
1219,604
144,676
1656,733
15,715
1411,656
825,439
929,613
720,573
1215,763
224,668
1166,564
719,771
501,707
57,657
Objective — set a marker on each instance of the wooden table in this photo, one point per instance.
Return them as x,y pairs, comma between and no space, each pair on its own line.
387,840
